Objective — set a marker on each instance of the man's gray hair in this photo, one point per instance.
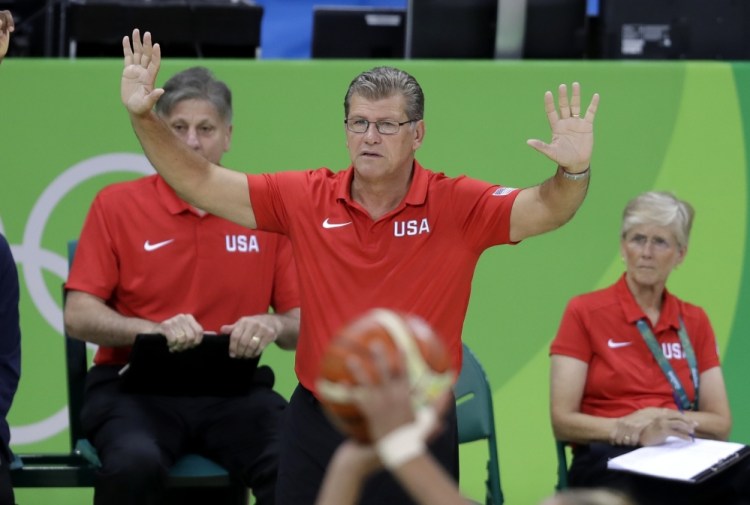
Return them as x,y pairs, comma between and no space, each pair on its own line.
384,82
196,83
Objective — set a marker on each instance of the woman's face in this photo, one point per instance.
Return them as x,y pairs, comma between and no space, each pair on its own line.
651,252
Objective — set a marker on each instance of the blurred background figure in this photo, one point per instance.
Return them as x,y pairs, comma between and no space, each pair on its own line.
10,358
7,27
10,329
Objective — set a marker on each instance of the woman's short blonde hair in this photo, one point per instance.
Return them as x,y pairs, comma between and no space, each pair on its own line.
660,208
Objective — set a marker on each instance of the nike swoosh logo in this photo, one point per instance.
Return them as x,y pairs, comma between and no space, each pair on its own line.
616,345
328,225
153,247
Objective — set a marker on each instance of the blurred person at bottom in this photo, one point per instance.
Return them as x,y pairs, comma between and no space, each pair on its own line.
613,353
399,445
149,262
399,440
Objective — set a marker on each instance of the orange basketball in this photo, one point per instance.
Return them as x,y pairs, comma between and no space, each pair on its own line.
427,363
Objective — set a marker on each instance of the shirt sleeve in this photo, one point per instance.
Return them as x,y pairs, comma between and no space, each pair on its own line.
269,202
572,337
95,266
702,337
482,210
285,281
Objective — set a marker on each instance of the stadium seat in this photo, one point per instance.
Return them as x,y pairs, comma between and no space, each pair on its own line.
562,465
476,420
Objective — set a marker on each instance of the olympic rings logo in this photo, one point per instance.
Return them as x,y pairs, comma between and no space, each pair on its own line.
33,261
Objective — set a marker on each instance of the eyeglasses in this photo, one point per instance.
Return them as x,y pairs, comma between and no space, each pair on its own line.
383,127
659,243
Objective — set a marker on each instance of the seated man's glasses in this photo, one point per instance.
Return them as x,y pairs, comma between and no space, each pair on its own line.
384,127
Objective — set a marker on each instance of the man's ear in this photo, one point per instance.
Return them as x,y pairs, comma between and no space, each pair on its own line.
228,139
419,132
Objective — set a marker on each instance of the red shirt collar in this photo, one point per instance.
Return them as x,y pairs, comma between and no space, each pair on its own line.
173,203
417,194
670,310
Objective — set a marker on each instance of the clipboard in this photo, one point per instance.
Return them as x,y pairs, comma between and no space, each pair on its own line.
204,370
682,460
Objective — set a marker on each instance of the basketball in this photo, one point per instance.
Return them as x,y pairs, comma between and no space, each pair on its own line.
427,364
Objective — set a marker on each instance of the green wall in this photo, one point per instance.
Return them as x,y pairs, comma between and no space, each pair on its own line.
673,126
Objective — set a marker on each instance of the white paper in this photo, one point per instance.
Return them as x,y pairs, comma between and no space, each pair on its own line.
676,458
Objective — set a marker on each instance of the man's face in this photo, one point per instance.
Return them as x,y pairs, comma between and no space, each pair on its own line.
377,156
198,124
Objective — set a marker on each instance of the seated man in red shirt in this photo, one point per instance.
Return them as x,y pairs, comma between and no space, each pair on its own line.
148,262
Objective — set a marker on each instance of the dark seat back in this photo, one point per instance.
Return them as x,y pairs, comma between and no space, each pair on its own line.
476,419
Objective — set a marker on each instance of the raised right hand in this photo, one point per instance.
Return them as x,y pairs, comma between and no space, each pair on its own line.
142,63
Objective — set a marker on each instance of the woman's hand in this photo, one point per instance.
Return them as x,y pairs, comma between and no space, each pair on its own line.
628,428
674,424
651,426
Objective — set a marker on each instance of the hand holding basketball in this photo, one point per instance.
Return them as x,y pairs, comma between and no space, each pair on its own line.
400,354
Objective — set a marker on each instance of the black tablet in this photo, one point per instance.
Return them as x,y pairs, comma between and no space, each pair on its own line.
204,370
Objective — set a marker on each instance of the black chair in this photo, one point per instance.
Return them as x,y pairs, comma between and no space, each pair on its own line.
77,468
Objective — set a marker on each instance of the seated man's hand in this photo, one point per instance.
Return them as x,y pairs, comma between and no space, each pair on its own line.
182,332
251,334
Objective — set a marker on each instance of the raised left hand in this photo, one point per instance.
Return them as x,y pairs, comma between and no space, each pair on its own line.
251,334
572,133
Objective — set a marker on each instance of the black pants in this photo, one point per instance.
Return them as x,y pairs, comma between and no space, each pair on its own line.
139,437
6,487
309,441
589,469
